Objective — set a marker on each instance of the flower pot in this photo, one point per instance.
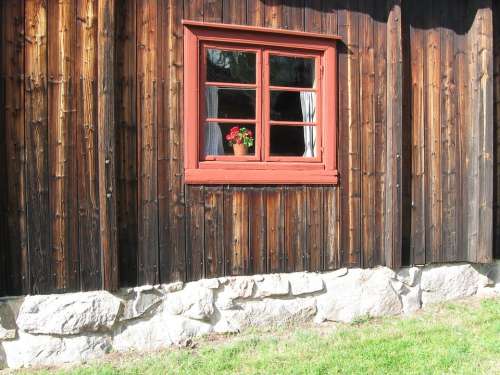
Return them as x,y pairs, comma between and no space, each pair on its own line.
240,149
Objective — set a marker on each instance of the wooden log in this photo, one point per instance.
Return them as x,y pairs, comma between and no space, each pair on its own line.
40,261
62,140
147,136
106,146
393,230
14,184
126,139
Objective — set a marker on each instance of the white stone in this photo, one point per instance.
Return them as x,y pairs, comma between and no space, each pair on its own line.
411,299
447,282
234,288
272,285
194,301
409,276
139,301
35,350
334,274
172,287
266,312
68,314
359,293
210,283
305,283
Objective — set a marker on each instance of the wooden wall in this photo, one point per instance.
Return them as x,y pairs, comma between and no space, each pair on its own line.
91,146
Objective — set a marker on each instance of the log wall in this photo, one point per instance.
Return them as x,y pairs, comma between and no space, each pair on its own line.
91,146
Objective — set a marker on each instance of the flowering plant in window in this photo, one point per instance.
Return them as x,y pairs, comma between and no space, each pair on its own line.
240,139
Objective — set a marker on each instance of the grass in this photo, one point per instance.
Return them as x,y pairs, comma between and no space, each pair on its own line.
454,338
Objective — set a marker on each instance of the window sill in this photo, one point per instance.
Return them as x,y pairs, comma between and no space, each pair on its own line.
261,177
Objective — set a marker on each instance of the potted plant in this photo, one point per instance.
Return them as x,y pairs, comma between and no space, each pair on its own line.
240,139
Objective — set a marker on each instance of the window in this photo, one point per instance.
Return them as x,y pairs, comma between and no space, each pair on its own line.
259,105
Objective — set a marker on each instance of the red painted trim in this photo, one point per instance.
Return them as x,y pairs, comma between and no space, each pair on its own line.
261,168
256,29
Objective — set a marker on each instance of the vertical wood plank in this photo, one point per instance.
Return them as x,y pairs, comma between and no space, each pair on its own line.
193,9
214,250
393,226
257,217
234,11
37,146
313,11
62,161
314,230
236,232
273,13
4,230
496,114
275,230
380,83
296,250
106,135
485,61
195,223
175,258
14,145
126,138
448,143
87,146
255,12
349,138
211,10
417,38
293,15
367,118
147,132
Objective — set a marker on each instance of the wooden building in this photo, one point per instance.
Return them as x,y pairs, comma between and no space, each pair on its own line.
103,106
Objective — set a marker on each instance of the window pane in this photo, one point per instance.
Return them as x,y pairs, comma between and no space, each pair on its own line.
291,71
230,66
293,106
293,140
230,103
215,138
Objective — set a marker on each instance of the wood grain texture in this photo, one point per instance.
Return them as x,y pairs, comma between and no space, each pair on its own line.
106,144
14,184
147,136
61,143
36,125
126,140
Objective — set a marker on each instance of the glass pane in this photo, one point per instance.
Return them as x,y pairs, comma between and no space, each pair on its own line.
293,106
230,103
291,71
293,140
217,143
230,66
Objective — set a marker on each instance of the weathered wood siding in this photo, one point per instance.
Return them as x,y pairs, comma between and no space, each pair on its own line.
91,146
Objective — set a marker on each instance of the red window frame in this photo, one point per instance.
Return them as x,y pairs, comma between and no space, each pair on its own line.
260,168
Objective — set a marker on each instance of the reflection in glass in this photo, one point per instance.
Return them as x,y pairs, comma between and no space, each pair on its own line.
215,138
293,140
230,102
230,66
291,71
293,106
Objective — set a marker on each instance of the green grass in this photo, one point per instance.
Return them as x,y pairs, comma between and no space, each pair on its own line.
455,338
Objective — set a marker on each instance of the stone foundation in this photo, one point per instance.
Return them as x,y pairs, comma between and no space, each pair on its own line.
75,327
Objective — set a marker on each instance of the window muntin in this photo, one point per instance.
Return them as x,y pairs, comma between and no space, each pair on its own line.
287,126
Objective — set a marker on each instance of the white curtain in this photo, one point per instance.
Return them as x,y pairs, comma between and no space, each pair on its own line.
308,105
213,134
